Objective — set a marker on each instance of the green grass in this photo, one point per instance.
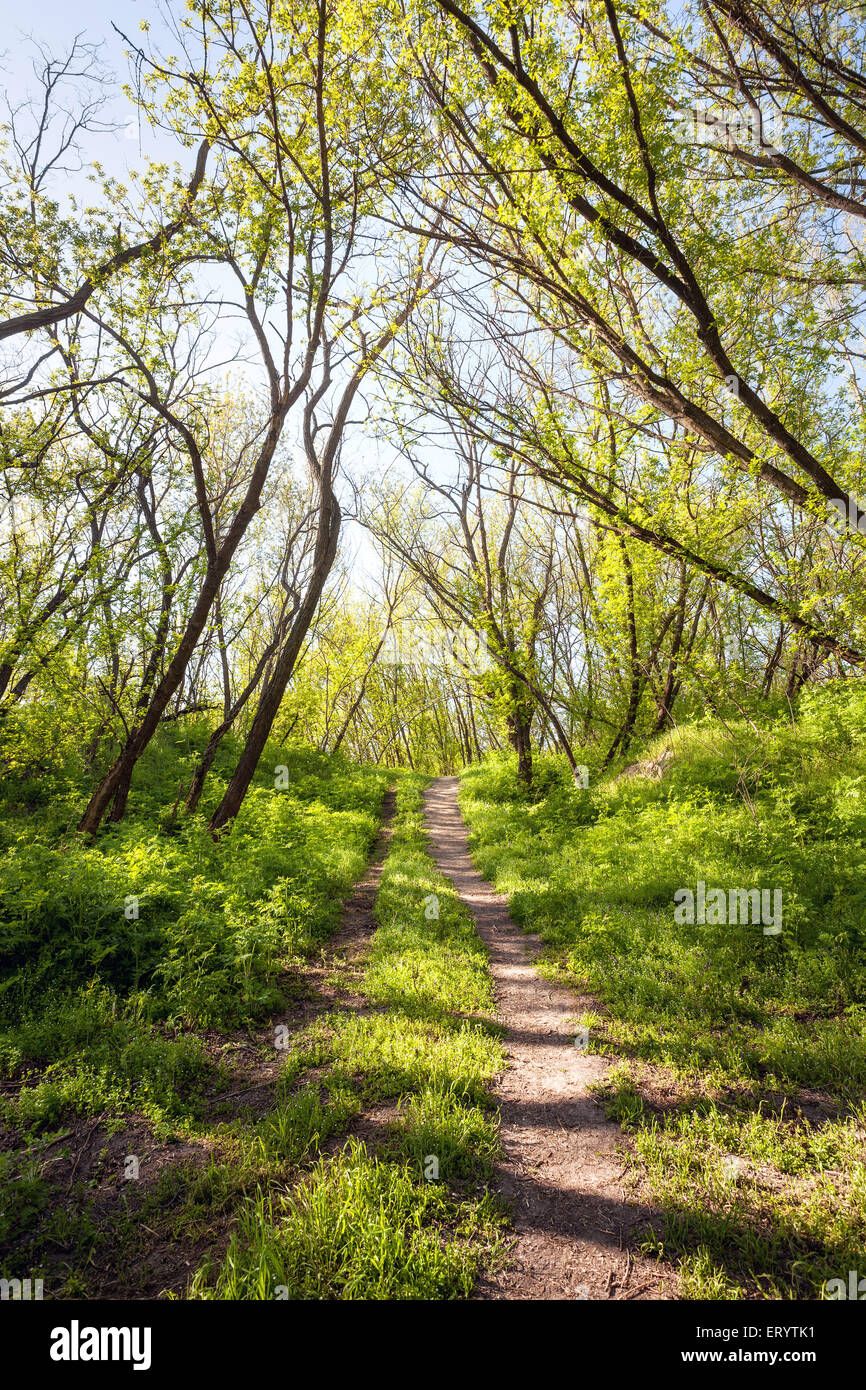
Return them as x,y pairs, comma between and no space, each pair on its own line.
191,931
298,1205
411,1218
741,1056
739,1073
358,1227
103,1015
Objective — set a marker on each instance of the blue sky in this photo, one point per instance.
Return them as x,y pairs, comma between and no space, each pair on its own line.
54,24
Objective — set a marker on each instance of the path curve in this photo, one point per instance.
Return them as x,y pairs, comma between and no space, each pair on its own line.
574,1224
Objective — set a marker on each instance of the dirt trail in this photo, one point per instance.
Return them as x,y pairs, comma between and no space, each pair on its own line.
574,1225
97,1156
327,983
349,945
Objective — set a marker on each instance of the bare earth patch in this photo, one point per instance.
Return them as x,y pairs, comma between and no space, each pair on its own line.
575,1226
253,1060
90,1155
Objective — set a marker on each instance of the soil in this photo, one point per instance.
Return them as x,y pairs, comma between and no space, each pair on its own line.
576,1229
91,1154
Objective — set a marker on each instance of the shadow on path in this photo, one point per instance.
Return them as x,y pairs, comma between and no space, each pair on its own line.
575,1228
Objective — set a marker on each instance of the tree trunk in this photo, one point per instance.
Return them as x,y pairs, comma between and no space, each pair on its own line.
196,786
117,779
773,663
624,736
665,703
275,689
356,704
232,711
519,726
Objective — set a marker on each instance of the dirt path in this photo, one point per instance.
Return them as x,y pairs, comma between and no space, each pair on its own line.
349,945
574,1225
97,1156
328,982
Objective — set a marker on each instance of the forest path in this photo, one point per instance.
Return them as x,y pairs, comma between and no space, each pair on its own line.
561,1172
330,981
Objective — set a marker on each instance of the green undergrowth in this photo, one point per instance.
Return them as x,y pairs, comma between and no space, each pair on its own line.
183,929
406,1214
741,1053
126,961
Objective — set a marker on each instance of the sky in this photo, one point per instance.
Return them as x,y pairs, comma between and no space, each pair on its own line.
54,25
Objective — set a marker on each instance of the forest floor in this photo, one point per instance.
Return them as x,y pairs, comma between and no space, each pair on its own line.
338,1146
561,1167
334,1057
90,1238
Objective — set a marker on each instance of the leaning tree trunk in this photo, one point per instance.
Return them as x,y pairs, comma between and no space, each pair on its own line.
116,781
196,786
806,661
773,663
356,703
206,761
273,692
626,729
118,807
671,689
